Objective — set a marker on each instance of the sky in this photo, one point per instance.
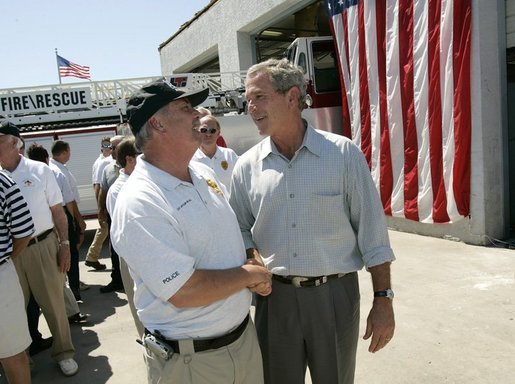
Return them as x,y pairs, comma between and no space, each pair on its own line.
116,39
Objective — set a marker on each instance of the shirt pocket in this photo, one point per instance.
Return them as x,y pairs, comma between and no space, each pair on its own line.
329,216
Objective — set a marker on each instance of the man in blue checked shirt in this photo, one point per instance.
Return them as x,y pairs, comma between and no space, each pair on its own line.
16,228
309,211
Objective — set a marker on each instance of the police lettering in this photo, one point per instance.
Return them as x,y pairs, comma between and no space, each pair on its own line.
171,277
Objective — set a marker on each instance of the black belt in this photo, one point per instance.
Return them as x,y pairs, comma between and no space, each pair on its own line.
301,281
41,237
215,343
3,261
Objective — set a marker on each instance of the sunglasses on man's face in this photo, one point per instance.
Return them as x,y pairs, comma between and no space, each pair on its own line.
208,130
107,146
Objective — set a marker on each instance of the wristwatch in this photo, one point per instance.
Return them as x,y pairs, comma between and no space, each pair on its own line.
65,242
386,293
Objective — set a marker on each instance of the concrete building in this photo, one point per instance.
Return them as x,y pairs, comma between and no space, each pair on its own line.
230,35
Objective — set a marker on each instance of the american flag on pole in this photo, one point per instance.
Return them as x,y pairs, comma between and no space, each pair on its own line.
67,68
406,100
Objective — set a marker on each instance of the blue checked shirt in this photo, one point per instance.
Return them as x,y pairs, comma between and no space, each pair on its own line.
316,214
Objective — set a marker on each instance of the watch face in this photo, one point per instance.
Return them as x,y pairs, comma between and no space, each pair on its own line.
386,293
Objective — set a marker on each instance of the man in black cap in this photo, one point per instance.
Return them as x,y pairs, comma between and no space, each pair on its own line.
42,265
173,226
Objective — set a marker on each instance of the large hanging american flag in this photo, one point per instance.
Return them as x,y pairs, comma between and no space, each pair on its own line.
405,74
67,68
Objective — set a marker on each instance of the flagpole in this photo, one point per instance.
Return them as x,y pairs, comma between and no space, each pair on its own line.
57,62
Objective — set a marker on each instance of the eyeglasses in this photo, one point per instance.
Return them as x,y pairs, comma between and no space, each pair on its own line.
107,146
208,130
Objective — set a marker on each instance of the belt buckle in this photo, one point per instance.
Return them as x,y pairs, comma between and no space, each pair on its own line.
297,280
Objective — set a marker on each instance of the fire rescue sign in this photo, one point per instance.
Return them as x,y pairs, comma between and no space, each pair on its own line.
46,101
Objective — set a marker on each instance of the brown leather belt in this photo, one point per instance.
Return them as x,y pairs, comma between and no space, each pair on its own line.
41,237
214,343
302,281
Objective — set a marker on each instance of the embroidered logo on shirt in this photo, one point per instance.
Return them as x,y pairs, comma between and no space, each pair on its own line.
171,277
183,204
214,187
27,183
224,165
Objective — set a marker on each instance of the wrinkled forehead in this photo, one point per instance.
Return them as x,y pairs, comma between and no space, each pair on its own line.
260,83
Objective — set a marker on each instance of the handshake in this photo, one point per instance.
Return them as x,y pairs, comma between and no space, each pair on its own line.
261,278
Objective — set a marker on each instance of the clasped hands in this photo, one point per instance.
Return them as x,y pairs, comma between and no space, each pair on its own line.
262,277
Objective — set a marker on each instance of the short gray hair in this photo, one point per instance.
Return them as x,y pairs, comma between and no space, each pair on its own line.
284,75
142,137
19,143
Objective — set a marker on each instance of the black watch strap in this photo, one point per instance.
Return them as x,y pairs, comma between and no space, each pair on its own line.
386,293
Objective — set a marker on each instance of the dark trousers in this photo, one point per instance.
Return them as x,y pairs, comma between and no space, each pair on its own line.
33,312
73,236
311,326
116,276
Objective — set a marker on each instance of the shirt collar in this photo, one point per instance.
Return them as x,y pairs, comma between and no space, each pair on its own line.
162,178
312,142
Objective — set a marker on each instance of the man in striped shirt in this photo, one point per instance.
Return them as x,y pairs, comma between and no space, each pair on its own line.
16,228
42,265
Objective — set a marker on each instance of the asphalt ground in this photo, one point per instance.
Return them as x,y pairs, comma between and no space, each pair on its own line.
455,321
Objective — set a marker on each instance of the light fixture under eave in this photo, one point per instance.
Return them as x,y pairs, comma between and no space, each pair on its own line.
271,33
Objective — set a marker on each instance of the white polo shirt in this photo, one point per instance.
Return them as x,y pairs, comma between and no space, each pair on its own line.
98,168
69,178
113,192
64,186
39,187
222,163
165,229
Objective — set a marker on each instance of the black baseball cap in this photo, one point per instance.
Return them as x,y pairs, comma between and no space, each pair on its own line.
8,128
152,97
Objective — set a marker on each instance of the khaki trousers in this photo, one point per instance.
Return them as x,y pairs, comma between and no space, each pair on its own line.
70,303
39,273
96,245
238,363
128,286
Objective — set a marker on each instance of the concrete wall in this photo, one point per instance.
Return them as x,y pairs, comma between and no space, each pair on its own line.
510,23
225,31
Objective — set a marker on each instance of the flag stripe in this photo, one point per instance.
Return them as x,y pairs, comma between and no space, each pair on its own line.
353,56
366,144
447,80
373,89
339,29
394,107
435,114
405,69
386,181
408,109
421,90
462,102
